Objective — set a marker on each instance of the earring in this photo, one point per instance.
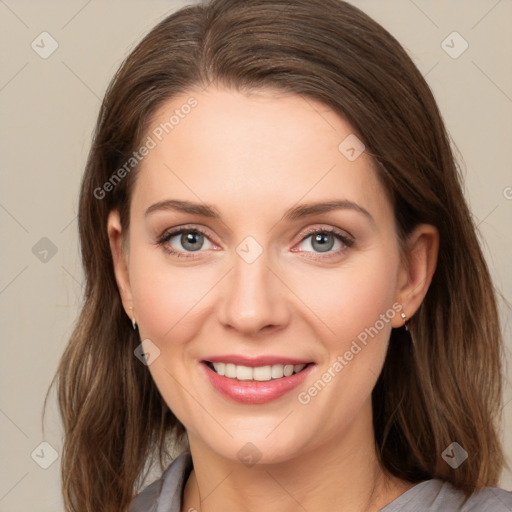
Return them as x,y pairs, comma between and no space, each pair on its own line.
404,318
134,323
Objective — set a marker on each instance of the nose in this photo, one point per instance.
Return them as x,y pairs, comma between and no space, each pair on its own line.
253,298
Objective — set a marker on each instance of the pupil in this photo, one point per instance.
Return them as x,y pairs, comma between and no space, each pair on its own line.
321,238
188,239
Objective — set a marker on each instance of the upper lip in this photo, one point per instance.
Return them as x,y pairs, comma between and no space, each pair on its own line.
256,361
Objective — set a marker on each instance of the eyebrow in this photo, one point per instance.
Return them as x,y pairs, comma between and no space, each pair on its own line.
294,213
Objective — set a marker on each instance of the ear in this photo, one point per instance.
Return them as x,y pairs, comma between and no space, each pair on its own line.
120,261
418,267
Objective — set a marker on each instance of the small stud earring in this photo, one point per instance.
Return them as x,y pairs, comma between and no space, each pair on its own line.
134,323
404,318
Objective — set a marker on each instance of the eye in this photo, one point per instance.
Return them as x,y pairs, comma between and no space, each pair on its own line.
323,241
184,240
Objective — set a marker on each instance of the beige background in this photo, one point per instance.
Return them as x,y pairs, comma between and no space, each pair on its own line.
48,110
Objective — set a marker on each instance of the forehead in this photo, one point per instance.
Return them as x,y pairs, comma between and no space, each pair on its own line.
254,150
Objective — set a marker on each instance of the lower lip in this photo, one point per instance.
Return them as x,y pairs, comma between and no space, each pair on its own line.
252,391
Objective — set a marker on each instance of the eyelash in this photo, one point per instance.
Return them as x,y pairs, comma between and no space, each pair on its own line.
164,239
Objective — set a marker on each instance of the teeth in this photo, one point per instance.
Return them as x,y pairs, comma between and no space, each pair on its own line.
259,373
220,368
288,370
277,371
243,373
230,370
262,373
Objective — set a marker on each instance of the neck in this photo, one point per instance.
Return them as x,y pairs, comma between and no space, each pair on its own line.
342,474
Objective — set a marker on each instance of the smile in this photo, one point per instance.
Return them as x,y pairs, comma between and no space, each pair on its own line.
257,381
259,373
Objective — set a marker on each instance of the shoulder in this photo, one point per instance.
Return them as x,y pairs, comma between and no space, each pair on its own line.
440,496
164,495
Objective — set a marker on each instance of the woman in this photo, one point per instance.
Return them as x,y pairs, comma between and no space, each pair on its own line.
282,274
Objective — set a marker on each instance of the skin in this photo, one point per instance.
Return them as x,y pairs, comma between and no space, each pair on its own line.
253,156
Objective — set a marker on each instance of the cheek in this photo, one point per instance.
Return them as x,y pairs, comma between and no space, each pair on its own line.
166,297
356,303
352,297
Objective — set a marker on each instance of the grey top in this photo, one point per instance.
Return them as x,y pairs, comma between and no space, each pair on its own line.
165,495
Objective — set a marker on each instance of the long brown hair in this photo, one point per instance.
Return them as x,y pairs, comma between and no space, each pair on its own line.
444,388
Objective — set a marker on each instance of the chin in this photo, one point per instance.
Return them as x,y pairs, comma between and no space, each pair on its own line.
255,445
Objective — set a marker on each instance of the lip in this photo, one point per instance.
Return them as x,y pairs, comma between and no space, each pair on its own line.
255,392
253,362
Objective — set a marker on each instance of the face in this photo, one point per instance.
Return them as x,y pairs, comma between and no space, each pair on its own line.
294,305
